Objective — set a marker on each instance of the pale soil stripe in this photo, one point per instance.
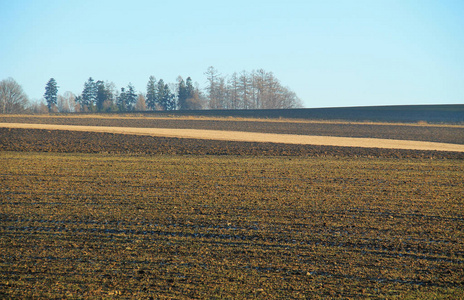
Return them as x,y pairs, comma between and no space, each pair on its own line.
252,137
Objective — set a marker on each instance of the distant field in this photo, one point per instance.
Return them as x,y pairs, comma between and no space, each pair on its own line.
12,139
237,227
417,132
399,113
17,132
59,141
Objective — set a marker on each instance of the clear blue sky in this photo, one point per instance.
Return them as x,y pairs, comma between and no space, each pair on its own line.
331,53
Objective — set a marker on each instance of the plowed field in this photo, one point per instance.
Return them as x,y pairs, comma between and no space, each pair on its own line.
183,227
104,215
94,142
223,135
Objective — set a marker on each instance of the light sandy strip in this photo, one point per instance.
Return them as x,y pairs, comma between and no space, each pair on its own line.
252,137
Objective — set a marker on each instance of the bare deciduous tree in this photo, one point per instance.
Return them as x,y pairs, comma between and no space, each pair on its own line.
249,90
38,107
12,97
141,105
66,102
213,78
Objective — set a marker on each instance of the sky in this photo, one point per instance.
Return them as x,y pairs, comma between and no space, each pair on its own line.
330,53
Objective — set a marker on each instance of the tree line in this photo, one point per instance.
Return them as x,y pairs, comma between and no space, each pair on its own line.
245,90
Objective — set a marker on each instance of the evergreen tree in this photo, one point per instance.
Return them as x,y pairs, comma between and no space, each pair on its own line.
190,94
182,94
51,90
169,99
89,94
160,94
196,101
127,98
79,103
103,94
122,99
131,97
190,88
166,99
151,93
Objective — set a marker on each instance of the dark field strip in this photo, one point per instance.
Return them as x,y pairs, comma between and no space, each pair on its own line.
235,227
398,113
454,135
87,142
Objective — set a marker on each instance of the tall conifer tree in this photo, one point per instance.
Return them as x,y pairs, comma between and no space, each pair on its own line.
131,97
151,93
89,94
122,99
51,91
166,99
182,94
103,94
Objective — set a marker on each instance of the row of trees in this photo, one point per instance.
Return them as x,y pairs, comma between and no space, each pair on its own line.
247,90
102,96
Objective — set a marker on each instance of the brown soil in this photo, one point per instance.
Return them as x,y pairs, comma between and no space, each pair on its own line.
40,140
253,137
453,134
